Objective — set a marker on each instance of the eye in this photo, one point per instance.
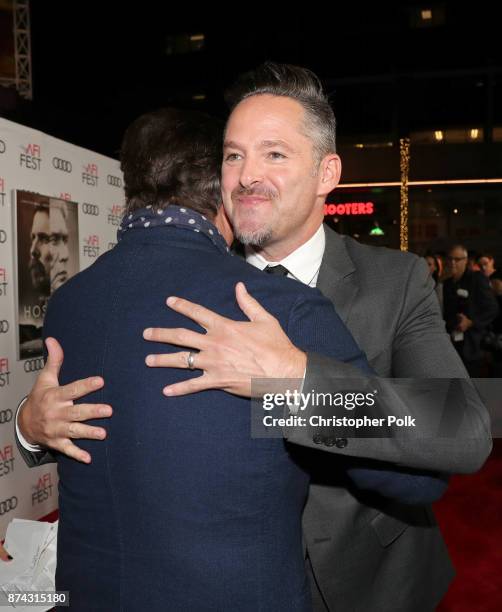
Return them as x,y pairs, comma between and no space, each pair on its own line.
276,155
232,157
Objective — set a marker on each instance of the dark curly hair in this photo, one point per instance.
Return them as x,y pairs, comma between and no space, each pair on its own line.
172,156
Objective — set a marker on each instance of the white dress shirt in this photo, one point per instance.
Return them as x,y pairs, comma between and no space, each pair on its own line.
303,264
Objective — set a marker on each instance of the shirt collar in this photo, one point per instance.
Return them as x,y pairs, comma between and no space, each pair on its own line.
303,264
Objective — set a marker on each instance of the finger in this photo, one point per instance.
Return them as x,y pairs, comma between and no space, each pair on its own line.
72,450
193,385
253,310
85,412
55,358
79,388
79,431
177,360
203,316
177,336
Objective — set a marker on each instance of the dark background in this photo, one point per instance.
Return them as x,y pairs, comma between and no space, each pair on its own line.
96,66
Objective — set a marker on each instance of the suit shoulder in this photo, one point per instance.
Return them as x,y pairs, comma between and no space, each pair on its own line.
378,259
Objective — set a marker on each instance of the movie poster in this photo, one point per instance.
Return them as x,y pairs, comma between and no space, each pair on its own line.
47,256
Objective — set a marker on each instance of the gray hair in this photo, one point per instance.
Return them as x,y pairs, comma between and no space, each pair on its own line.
299,84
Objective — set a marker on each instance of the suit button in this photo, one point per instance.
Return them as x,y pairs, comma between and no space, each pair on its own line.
330,441
318,439
341,442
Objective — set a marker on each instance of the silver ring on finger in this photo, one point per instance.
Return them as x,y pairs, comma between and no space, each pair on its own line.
190,360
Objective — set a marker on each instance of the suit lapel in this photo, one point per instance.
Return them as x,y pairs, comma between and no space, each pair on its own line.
337,278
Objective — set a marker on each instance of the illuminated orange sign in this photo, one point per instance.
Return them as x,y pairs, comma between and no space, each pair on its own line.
350,208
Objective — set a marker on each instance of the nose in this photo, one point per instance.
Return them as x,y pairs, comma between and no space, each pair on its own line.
34,248
63,252
251,173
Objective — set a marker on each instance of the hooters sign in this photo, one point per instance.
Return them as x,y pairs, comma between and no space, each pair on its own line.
349,208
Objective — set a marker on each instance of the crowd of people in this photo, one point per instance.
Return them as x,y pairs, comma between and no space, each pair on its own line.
469,290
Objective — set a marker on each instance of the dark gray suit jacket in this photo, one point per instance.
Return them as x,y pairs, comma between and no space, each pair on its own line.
368,553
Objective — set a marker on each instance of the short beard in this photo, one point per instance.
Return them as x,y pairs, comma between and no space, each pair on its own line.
257,238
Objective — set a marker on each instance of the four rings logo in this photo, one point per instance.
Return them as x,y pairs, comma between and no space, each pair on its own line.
7,505
4,326
114,181
5,416
61,164
3,147
90,209
34,365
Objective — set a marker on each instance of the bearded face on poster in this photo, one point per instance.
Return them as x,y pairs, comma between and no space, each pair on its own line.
47,252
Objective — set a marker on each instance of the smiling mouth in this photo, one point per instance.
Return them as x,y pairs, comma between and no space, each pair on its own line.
251,200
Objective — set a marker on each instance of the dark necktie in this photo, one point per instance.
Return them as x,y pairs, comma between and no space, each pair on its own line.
276,270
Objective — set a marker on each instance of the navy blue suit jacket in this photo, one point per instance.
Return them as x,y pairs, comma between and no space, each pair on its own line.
180,509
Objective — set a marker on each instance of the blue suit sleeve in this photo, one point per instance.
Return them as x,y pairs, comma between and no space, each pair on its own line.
315,326
405,486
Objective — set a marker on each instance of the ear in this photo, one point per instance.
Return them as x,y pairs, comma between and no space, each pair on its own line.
330,170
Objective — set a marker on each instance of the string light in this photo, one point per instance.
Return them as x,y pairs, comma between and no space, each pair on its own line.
404,149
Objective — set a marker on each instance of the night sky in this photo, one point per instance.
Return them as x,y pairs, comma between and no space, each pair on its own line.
95,69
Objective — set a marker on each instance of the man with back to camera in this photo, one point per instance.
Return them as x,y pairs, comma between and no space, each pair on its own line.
280,134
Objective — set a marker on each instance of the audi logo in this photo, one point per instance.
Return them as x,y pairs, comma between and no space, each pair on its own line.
34,365
2,147
7,505
90,209
62,164
4,327
5,416
3,237
114,181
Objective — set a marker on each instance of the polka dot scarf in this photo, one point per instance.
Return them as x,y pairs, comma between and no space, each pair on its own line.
172,216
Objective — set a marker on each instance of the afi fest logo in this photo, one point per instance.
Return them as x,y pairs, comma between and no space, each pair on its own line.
42,490
91,246
115,214
31,157
90,175
4,372
2,191
6,460
3,282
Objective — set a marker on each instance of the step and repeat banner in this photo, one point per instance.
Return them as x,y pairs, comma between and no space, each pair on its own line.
60,207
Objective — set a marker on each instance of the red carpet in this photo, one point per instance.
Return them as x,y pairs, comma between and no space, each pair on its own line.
470,519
